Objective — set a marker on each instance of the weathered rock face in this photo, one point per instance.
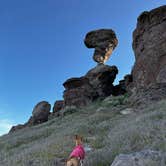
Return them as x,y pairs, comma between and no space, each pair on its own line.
101,78
149,44
146,157
123,85
15,128
78,92
58,105
97,83
104,41
147,95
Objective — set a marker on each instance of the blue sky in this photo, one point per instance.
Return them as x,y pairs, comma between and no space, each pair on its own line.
41,45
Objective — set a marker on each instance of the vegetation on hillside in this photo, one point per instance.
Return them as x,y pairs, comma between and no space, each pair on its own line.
106,131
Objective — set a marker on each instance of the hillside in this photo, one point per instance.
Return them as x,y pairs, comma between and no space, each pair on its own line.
107,132
122,125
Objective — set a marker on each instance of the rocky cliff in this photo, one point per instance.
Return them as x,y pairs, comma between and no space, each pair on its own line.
149,45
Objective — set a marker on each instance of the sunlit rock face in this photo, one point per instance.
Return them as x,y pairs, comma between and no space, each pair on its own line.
103,41
149,45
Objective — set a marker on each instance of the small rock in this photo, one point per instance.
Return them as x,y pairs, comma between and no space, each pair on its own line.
126,111
101,109
87,148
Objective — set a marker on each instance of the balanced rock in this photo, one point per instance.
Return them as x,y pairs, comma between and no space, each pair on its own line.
149,44
41,112
104,41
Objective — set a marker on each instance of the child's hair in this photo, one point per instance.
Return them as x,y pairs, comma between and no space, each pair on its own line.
78,137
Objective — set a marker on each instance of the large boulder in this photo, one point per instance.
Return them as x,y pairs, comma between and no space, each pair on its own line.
101,79
41,112
104,41
78,92
143,158
149,45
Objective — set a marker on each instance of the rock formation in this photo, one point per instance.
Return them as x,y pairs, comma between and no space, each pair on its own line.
147,82
78,92
149,44
104,41
15,128
123,85
39,115
58,105
146,157
97,83
101,79
41,112
146,95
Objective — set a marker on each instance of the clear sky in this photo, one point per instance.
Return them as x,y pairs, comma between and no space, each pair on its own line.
41,45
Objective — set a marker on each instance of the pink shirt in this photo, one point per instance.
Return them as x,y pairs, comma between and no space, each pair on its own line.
79,152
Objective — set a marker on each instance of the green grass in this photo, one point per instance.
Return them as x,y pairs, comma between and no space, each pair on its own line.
104,129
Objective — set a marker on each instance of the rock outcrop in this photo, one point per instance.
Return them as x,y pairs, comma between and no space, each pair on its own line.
101,79
40,114
149,45
143,158
58,105
104,41
15,128
123,85
78,92
146,95
97,83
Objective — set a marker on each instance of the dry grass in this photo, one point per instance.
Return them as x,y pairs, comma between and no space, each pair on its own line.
105,130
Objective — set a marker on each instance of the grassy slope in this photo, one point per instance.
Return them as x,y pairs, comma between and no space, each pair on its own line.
105,130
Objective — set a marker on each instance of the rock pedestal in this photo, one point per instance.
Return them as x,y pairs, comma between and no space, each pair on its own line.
101,78
97,83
